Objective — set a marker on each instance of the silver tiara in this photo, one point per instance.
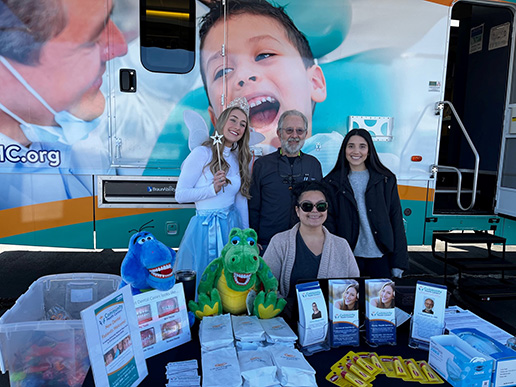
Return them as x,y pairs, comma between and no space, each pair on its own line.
240,102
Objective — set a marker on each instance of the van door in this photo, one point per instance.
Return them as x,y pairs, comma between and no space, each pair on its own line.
506,188
477,81
506,184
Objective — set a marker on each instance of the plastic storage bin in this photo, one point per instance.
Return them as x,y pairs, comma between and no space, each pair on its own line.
42,337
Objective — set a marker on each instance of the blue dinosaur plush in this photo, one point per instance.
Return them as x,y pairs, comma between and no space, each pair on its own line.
148,264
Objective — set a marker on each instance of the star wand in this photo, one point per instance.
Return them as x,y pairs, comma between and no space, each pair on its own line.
217,140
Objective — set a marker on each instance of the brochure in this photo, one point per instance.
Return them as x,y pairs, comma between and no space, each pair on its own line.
380,311
113,339
313,315
343,307
162,319
428,316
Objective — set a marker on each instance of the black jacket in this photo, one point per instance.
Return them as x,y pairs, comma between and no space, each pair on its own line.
271,207
383,211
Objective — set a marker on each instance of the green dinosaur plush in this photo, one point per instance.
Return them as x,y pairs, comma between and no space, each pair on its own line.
228,279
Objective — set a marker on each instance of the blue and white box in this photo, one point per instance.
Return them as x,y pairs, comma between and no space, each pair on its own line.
459,363
504,373
343,307
380,311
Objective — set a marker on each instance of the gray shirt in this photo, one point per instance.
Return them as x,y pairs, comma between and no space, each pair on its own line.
366,246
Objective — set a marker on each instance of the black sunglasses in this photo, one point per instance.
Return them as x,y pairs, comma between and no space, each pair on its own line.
309,206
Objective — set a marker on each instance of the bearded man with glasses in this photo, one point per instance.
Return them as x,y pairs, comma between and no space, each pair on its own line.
274,175
308,250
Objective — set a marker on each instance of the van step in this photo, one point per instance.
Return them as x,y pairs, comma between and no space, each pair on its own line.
471,264
468,237
489,289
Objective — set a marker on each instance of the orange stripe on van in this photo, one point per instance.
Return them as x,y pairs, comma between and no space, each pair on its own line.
37,217
408,192
43,216
448,3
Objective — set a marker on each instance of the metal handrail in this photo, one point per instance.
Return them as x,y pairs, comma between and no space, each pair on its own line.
439,106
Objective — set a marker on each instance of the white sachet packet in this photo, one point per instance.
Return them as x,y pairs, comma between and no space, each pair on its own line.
257,368
293,369
247,328
216,332
278,331
221,368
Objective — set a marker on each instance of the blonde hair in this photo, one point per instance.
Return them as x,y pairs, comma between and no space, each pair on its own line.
243,155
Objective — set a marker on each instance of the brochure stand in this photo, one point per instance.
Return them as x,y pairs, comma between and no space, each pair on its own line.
428,317
313,318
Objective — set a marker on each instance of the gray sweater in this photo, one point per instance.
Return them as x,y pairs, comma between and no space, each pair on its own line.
366,246
337,259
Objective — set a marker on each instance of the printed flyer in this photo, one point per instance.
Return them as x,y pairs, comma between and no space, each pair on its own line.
163,319
429,311
313,315
113,340
343,307
380,311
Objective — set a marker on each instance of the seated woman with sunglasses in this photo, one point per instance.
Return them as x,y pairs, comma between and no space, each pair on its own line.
309,250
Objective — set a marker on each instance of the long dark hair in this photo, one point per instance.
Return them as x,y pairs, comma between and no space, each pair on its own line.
372,161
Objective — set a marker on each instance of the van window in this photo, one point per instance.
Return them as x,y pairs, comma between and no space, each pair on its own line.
167,35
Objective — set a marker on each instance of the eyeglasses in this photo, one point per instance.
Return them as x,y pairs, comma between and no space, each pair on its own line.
299,131
309,206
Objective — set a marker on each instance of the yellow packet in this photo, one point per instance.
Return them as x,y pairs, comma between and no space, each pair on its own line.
350,366
414,371
346,379
373,359
364,364
400,369
335,378
388,366
432,376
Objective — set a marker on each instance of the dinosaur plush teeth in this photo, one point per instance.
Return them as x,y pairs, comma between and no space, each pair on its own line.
163,271
241,279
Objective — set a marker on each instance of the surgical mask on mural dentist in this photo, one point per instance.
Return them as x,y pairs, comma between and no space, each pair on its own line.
70,130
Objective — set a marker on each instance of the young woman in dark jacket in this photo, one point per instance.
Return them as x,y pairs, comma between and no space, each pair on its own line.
366,208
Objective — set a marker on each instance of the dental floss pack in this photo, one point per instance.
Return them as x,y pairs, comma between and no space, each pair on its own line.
344,315
216,332
257,368
292,368
248,332
504,373
459,363
278,331
220,368
380,321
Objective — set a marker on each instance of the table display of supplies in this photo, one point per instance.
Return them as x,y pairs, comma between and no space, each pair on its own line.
227,350
323,363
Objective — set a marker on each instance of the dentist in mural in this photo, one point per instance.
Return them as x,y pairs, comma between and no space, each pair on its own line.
51,71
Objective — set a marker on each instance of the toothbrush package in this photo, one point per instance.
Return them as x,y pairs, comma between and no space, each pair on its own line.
459,363
504,357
